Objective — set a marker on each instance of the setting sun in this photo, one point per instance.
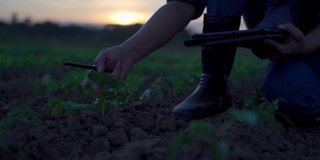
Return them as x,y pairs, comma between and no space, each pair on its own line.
125,18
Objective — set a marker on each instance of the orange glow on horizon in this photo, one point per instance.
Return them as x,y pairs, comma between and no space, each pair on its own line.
125,18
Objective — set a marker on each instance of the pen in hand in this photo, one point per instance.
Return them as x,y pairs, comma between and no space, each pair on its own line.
85,66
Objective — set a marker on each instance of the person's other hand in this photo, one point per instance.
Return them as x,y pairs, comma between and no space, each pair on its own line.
295,46
114,58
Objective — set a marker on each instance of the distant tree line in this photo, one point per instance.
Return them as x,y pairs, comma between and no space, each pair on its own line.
49,29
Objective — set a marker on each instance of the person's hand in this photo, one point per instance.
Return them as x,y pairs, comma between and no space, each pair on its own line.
114,58
295,46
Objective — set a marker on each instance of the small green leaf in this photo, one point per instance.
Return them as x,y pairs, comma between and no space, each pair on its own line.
18,115
245,116
57,110
79,106
55,102
284,117
15,111
145,94
30,113
3,143
270,119
87,82
174,147
203,128
222,150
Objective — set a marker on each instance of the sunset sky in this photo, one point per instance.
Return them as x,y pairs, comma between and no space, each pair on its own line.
97,12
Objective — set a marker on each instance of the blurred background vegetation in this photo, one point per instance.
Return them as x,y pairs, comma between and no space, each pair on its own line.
51,32
43,47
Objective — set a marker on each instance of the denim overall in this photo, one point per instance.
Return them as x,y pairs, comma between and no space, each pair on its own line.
292,80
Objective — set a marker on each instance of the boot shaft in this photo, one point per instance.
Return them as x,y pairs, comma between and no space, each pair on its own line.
218,59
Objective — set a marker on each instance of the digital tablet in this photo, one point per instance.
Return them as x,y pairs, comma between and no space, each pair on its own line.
238,36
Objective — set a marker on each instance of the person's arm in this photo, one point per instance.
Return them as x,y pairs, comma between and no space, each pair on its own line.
168,21
313,40
162,27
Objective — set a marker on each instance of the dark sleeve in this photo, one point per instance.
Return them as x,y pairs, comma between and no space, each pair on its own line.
310,18
313,61
316,6
295,10
200,5
309,15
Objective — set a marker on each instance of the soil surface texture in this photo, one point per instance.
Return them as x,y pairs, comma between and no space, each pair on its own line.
139,132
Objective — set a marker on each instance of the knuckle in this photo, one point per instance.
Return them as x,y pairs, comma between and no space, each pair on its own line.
300,37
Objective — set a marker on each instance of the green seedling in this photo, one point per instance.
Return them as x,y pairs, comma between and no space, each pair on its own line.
3,143
50,84
219,150
256,110
182,85
68,108
247,117
161,86
67,84
17,116
170,86
114,94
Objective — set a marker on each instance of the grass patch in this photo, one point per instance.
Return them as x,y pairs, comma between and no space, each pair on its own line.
172,62
246,64
32,56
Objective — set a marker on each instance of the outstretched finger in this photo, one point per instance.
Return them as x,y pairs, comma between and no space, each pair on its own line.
117,71
85,83
100,62
275,45
124,73
294,31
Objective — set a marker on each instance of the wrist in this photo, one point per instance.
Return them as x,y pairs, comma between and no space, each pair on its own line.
134,53
310,47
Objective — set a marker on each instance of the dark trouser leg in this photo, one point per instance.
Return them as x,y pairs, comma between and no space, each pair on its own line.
212,95
298,85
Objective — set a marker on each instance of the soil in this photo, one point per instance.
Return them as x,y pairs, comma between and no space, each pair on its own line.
143,131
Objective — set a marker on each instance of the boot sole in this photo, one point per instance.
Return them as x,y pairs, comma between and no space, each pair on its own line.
188,117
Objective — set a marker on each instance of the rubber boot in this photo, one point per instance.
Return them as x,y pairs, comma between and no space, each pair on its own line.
212,96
